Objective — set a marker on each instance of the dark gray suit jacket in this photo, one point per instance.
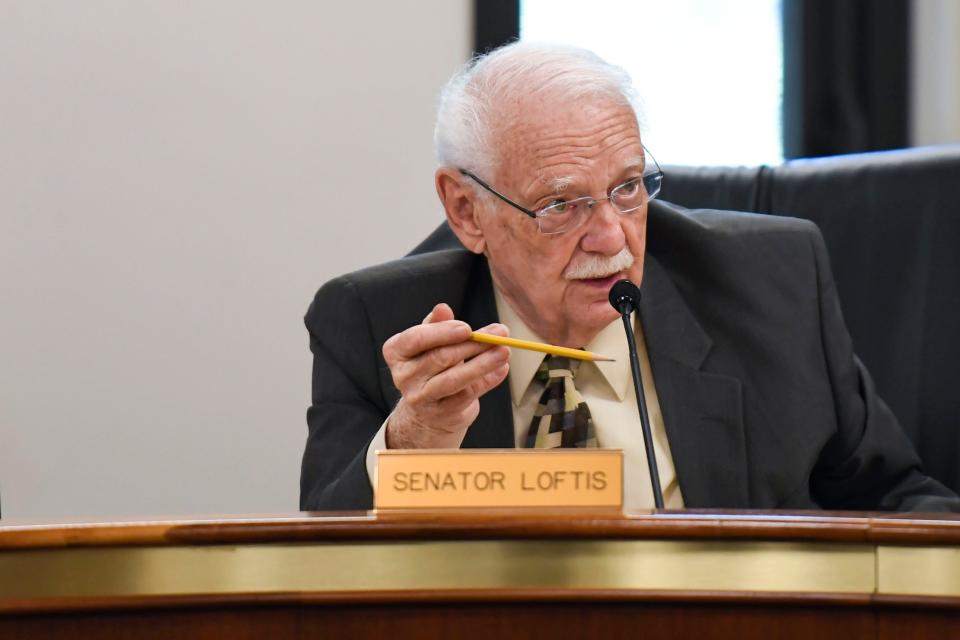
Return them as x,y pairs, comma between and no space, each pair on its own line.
764,402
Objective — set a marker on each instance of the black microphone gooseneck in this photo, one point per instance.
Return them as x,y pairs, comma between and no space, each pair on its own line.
625,298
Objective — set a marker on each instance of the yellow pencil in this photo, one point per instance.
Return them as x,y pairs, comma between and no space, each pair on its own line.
566,352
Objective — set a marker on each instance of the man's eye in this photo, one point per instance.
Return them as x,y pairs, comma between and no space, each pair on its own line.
628,189
557,206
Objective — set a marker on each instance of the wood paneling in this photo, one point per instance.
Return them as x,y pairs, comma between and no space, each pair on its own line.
441,621
561,609
743,525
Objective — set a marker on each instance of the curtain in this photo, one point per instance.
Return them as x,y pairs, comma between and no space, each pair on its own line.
846,65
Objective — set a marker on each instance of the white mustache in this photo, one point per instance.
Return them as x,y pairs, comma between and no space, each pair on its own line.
594,266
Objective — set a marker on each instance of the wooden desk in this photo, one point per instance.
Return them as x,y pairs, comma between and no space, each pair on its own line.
698,574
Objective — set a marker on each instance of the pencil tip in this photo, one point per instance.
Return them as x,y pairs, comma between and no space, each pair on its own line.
597,358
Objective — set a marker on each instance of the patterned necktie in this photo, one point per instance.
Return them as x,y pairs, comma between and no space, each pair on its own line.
562,418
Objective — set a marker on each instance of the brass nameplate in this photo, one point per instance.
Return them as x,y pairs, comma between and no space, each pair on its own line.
499,478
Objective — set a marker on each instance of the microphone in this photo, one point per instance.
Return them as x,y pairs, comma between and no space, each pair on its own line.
625,298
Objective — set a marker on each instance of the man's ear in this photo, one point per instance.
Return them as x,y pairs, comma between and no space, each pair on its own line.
462,206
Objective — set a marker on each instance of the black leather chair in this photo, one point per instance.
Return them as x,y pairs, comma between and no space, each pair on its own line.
891,222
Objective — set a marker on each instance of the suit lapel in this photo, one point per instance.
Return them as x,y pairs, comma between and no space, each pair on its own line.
493,428
702,411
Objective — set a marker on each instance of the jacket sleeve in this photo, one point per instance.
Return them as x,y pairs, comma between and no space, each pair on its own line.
347,407
869,463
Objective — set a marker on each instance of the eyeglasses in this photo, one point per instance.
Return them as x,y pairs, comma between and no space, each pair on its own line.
566,215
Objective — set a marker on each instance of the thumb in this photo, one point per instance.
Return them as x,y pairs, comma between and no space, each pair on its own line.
440,313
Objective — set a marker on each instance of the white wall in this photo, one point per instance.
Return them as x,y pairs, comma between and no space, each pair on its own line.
176,180
935,77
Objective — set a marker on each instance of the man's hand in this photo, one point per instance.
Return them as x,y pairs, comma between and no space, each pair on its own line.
441,375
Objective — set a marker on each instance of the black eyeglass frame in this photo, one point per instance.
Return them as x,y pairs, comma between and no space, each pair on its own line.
652,183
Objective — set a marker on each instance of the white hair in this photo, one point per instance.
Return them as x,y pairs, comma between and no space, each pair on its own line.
477,95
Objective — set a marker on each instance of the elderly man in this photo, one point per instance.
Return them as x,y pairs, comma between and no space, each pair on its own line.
755,396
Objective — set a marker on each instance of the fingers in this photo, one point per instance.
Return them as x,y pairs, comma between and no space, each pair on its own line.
413,372
491,379
437,360
451,339
416,340
452,380
441,375
496,329
471,393
440,424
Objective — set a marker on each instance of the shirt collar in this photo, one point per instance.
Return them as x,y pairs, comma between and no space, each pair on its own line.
611,341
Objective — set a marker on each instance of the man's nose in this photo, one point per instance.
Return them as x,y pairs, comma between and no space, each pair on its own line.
604,232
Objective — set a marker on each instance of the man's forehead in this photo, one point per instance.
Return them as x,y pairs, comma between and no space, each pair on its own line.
537,112
549,146
560,182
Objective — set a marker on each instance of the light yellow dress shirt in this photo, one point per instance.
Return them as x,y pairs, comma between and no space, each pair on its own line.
607,388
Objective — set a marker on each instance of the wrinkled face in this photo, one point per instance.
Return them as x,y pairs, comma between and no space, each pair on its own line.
559,284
